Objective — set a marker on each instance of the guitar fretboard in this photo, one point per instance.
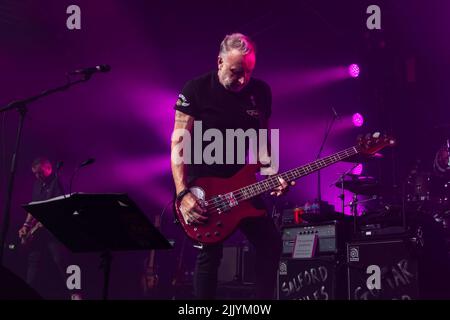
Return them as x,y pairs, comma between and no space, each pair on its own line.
270,183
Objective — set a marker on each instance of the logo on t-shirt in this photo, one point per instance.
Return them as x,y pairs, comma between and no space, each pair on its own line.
182,101
253,113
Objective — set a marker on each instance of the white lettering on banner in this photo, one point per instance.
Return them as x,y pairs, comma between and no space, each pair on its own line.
235,142
374,280
74,280
374,20
73,22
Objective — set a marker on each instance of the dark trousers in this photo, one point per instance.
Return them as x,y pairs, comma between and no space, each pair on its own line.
263,235
50,285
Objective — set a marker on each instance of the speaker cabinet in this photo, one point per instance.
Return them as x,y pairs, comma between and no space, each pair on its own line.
238,265
393,262
321,278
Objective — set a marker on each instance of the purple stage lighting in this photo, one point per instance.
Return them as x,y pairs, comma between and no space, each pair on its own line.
357,120
357,171
353,70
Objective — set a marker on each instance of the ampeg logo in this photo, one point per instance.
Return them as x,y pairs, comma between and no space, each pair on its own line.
374,280
74,279
353,254
73,21
283,269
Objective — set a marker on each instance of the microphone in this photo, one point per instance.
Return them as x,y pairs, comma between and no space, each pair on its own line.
81,165
92,70
87,162
59,165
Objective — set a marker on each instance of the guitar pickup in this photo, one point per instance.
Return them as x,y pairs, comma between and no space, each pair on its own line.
228,201
232,202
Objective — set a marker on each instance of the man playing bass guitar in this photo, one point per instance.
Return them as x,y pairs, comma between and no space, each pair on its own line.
227,98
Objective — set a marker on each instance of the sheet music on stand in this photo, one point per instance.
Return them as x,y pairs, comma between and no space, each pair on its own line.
101,223
97,222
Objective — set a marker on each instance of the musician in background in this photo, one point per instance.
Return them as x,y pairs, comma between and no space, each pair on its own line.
42,242
227,98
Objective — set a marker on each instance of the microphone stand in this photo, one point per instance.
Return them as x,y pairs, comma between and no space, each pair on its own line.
71,180
21,107
340,180
327,132
61,187
82,165
354,202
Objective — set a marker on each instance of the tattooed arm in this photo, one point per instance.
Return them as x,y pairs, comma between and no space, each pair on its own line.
190,207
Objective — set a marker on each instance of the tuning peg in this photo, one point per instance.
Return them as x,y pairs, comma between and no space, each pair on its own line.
368,139
360,140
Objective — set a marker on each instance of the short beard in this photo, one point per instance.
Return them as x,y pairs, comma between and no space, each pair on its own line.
229,86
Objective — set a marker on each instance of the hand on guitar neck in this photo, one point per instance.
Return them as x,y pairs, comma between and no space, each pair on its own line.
27,233
282,188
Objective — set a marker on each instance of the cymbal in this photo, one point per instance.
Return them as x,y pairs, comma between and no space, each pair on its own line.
363,185
359,158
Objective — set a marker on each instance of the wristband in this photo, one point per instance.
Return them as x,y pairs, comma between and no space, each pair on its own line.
182,194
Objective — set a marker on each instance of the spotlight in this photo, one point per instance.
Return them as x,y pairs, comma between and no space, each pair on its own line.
357,120
353,70
358,170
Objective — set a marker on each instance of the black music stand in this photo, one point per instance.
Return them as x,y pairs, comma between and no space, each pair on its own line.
98,223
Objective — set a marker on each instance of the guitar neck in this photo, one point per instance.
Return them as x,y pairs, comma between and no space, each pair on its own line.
35,228
268,184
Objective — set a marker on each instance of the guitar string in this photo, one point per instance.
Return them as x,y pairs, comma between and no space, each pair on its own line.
218,202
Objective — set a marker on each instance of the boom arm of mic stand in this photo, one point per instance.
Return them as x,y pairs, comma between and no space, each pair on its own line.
327,132
18,104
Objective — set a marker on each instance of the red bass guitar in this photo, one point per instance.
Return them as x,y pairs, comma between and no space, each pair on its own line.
227,199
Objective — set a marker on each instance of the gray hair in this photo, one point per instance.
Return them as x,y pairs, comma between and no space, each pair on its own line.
237,41
40,161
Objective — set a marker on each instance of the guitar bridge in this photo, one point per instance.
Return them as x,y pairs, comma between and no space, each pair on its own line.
227,201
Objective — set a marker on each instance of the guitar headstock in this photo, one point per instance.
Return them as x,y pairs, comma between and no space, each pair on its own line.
374,142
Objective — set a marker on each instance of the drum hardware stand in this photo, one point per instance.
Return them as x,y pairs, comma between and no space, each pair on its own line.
403,206
354,208
341,183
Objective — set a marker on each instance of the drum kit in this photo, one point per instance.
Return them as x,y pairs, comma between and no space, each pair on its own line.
429,193
423,192
417,210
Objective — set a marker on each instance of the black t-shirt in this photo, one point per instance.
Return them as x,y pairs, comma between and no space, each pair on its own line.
207,100
44,190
